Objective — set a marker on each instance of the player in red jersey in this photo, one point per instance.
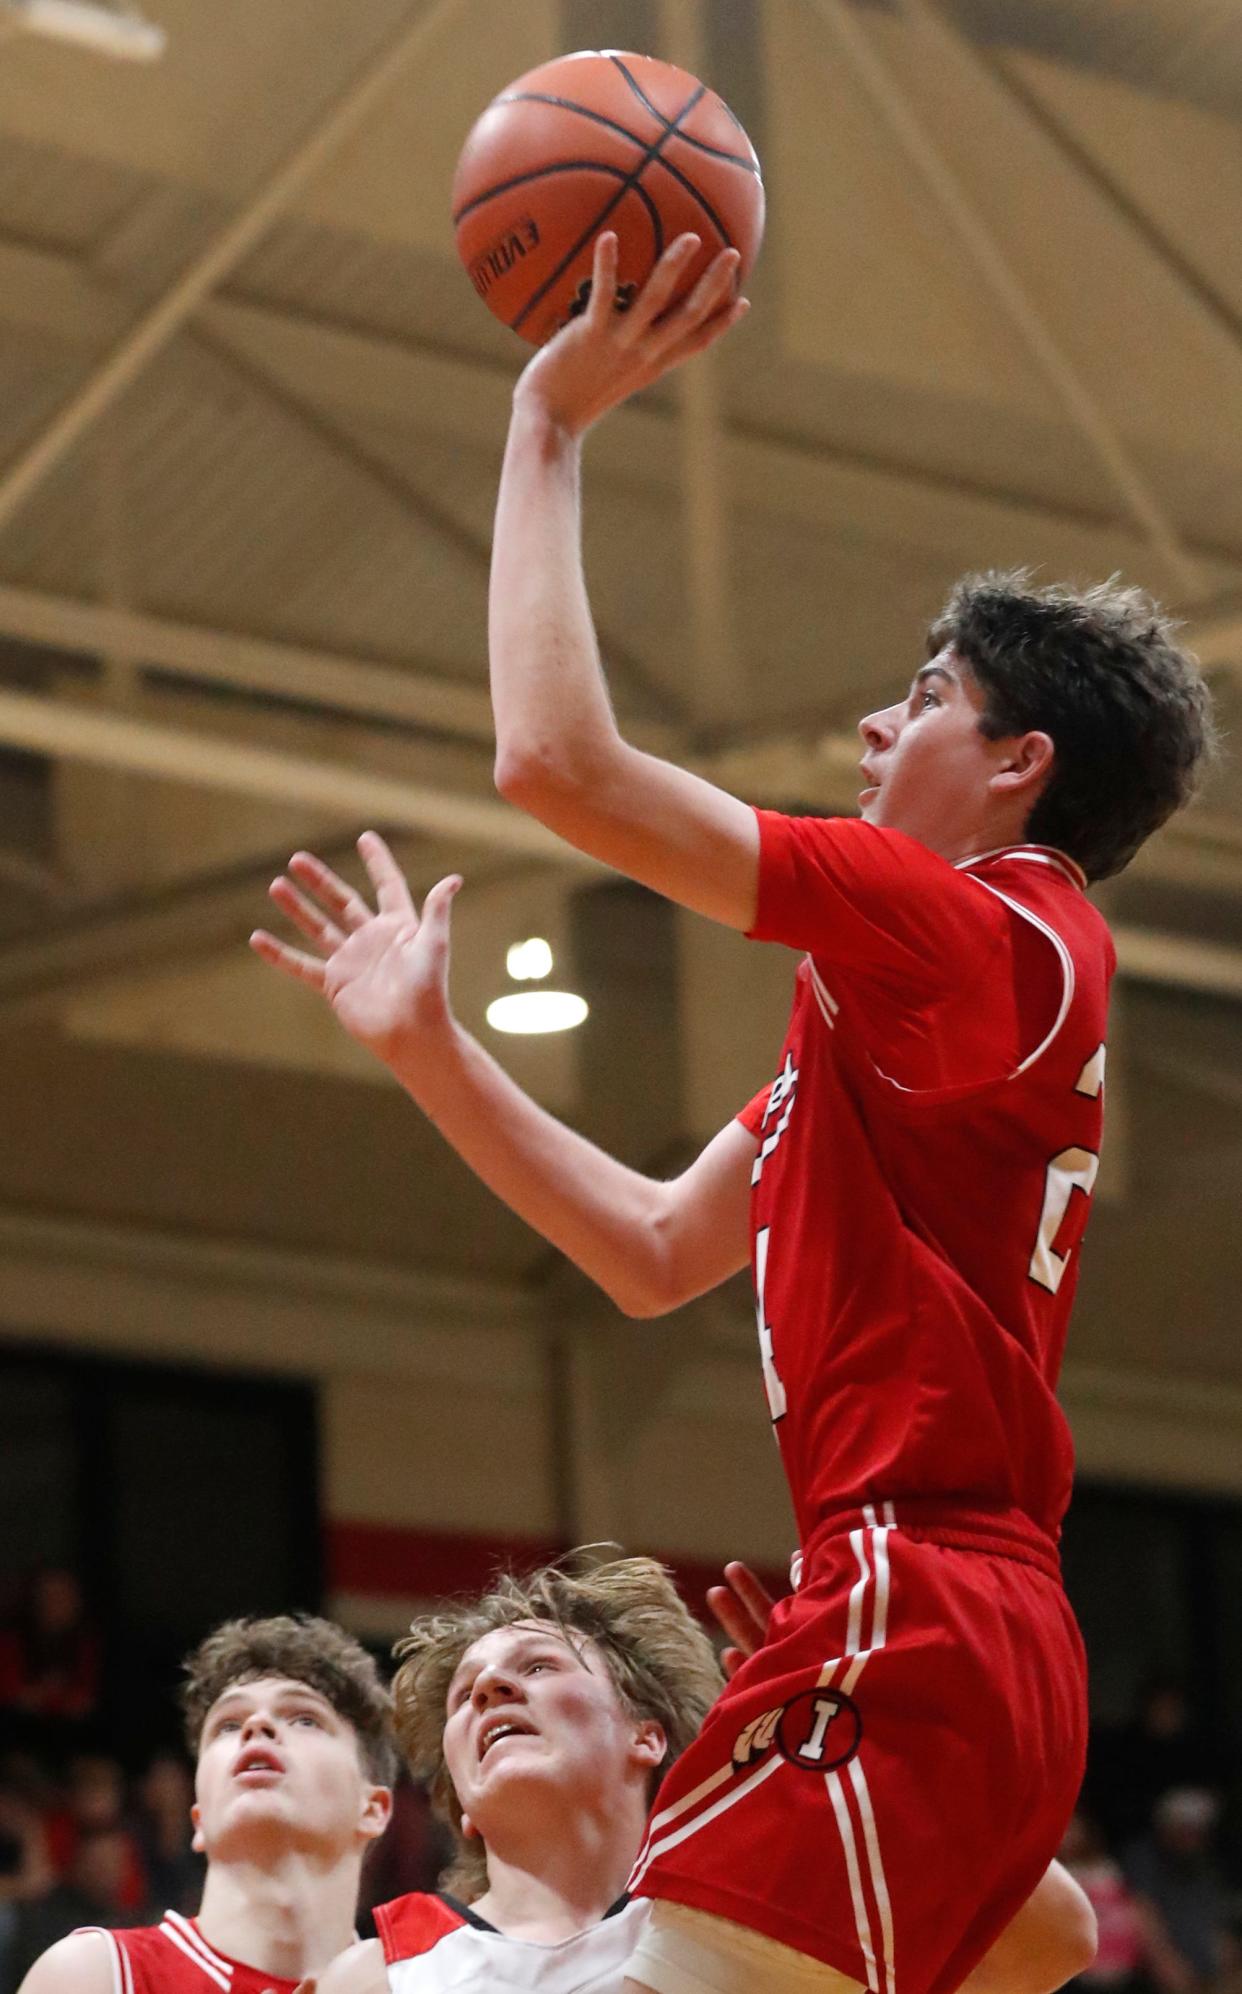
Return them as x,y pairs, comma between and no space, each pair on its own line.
882,1788
289,1723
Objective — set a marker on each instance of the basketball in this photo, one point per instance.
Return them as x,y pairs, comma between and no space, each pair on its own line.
599,140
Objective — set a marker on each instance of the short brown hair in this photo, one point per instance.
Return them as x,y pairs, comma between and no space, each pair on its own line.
660,1660
303,1649
1099,671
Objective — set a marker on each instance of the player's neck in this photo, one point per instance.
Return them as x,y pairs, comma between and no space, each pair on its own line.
553,1882
995,831
288,1919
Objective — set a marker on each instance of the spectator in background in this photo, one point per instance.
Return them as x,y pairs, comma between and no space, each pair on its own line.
1159,1747
165,1835
93,1893
95,1798
1121,1955
1181,1896
49,1664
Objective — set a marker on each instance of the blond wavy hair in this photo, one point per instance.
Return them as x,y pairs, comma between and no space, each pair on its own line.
661,1662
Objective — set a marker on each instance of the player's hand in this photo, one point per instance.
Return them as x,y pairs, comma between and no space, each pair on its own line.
607,355
743,1608
384,970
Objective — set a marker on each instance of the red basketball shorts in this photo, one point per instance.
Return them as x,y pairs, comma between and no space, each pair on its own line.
883,1785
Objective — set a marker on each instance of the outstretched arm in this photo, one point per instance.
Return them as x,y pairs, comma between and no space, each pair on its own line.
650,1245
559,754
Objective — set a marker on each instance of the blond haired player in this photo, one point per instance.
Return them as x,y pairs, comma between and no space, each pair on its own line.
543,1716
290,1726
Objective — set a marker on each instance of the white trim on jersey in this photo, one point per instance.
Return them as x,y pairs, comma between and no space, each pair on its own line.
1067,971
220,1974
828,1004
122,1977
1033,855
194,1937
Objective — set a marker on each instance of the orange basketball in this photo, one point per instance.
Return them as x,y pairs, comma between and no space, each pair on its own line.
600,140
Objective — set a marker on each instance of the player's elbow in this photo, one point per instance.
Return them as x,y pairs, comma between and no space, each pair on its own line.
659,1281
560,780
535,777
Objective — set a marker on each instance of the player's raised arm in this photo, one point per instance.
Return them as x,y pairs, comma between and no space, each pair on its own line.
650,1245
559,754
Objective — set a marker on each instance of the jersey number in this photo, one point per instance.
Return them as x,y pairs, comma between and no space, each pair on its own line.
771,1376
1069,1171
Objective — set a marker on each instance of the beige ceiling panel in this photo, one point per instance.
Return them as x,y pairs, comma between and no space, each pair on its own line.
874,281
1180,165
241,80
228,1008
1162,373
867,277
393,177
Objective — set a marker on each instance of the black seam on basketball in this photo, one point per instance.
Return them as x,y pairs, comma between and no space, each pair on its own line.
685,181
653,151
637,89
716,151
537,173
636,138
572,166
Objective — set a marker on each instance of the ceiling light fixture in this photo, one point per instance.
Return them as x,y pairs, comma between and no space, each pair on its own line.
117,31
532,1011
529,962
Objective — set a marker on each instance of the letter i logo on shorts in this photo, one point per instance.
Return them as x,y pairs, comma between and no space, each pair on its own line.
819,1730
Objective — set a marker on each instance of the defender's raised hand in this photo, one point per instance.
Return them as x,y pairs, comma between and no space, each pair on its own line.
742,1607
607,355
384,970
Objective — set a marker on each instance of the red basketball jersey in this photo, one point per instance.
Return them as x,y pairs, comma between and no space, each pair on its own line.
174,1958
926,1158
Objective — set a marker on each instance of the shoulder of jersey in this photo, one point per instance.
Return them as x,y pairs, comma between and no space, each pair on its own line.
176,1952
410,1926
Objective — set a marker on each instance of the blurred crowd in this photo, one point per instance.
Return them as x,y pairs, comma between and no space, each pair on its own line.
1147,1847
87,1838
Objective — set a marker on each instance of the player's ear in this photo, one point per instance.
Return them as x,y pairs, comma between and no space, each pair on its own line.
650,1742
1025,764
468,1830
376,1811
197,1843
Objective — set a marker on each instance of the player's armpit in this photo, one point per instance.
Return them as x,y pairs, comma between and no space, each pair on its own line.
661,825
79,1964
359,1970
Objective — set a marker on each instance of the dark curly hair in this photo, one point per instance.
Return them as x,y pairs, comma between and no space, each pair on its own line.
660,1660
1097,669
304,1649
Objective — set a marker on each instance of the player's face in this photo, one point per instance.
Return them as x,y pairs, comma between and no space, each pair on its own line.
279,1770
532,1720
928,767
